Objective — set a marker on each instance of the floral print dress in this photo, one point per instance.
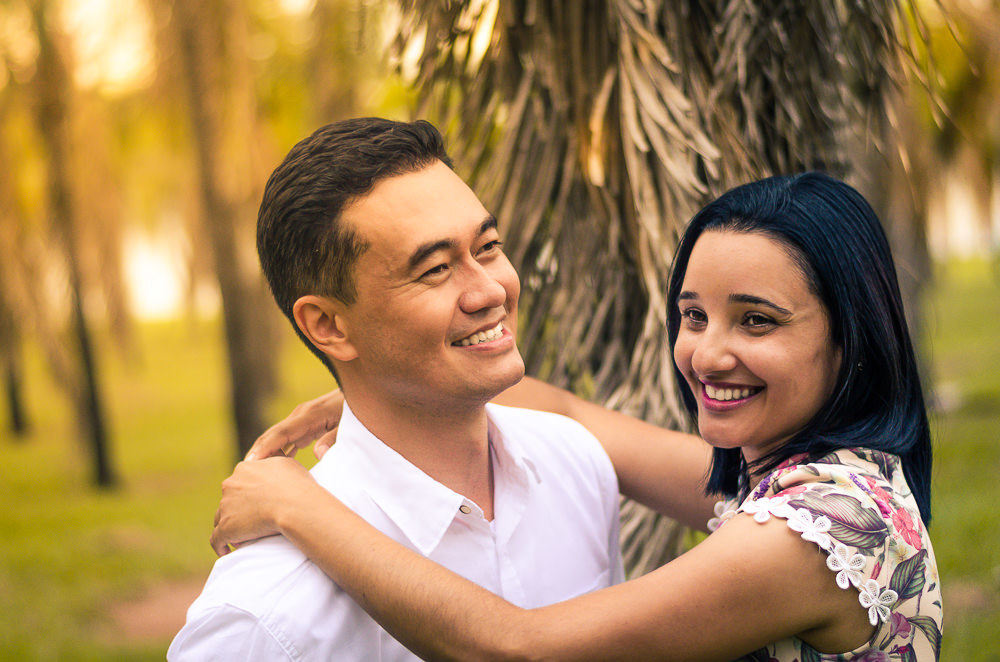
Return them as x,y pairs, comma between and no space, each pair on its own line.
856,505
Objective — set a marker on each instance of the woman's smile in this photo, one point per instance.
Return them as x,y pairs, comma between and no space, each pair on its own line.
754,342
724,397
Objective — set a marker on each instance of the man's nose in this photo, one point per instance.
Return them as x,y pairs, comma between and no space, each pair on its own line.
482,290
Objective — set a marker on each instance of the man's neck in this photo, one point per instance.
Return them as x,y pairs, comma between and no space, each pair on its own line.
452,448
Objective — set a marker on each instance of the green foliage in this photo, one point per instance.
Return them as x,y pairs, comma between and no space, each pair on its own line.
70,555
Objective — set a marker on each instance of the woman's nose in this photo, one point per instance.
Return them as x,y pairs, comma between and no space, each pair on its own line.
712,353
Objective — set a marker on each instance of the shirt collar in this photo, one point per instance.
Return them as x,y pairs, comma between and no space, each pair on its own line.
420,506
514,474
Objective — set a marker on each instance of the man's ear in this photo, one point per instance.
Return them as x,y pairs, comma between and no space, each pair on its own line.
323,322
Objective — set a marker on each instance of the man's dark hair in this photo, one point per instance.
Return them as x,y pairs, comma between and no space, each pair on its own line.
304,247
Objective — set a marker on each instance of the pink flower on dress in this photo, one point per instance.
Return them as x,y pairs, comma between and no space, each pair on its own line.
792,461
882,498
904,524
872,656
794,489
900,625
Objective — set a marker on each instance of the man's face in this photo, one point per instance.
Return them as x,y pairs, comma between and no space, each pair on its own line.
435,318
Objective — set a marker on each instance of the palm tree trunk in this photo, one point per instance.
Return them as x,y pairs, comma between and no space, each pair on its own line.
595,128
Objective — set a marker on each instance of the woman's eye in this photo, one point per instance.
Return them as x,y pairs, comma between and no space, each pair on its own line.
758,321
694,316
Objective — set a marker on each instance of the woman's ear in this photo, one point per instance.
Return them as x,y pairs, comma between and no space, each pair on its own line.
323,322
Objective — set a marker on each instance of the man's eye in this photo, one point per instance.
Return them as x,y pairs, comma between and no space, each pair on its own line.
496,244
434,271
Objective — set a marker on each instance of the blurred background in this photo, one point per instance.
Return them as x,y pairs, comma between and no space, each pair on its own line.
141,353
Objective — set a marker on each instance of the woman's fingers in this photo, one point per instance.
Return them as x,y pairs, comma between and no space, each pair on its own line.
309,420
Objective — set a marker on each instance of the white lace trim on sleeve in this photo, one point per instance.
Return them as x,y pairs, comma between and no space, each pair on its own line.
877,600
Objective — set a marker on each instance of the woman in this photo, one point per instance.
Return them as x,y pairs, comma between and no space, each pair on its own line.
794,358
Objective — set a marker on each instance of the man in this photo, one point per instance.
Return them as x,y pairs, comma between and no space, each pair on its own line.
392,272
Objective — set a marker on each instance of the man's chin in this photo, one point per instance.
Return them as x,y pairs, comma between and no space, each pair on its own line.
504,383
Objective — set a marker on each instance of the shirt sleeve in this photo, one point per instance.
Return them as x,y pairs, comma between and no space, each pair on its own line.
227,633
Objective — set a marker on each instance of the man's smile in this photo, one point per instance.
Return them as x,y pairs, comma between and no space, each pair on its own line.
481,336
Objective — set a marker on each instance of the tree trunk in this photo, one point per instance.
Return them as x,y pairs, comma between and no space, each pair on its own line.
202,34
53,91
10,363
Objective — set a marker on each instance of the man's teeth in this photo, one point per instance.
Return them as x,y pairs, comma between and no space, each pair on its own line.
724,394
482,336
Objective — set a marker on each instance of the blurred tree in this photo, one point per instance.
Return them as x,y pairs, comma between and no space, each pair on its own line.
211,48
595,128
52,88
30,307
10,333
336,70
965,130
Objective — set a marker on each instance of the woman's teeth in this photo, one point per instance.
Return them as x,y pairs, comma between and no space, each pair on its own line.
482,336
724,394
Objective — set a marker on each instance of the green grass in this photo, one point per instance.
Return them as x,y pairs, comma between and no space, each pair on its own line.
70,555
965,352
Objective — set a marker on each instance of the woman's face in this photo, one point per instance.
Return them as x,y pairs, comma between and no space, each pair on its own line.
754,342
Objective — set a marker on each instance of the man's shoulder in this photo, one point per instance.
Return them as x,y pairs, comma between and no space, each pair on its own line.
266,601
261,576
534,421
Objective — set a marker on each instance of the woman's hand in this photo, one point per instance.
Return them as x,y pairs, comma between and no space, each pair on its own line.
316,419
255,497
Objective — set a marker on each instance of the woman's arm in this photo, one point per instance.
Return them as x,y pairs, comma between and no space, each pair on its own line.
660,468
748,584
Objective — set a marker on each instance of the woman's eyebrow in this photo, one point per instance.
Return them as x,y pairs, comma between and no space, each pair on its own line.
758,301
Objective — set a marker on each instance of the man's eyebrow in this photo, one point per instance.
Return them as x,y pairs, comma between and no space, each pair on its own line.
758,301
489,224
424,250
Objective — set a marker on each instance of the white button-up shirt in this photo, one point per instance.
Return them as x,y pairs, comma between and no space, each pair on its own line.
554,536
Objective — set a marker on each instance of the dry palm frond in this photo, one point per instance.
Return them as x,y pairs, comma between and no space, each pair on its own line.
595,128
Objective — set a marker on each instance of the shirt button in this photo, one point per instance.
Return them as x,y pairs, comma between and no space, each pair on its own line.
465,509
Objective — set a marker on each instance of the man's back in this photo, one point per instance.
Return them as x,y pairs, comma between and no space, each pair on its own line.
554,535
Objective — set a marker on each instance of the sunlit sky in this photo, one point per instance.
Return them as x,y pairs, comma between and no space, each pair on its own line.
112,44
112,41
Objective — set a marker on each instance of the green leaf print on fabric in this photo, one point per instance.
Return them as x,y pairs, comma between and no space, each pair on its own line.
908,577
850,522
929,628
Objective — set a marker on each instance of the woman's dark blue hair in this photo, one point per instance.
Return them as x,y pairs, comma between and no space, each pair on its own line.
837,240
